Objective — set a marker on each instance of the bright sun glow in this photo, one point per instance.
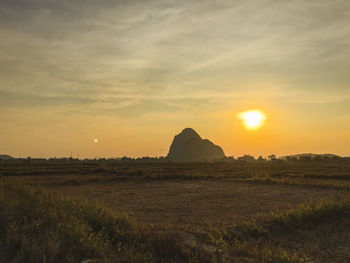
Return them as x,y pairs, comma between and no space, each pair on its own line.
252,119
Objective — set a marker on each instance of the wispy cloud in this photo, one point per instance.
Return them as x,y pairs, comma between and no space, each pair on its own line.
150,47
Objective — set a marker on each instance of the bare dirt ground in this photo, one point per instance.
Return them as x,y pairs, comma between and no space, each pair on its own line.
196,203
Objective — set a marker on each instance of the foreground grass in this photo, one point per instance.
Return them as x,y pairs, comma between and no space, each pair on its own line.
35,226
296,235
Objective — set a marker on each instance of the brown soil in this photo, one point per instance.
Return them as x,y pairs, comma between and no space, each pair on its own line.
196,203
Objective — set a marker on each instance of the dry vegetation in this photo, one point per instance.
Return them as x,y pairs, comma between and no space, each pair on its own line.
169,212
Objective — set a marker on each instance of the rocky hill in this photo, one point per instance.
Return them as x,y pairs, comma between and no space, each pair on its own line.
188,146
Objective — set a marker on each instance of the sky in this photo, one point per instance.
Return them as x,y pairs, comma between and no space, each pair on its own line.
132,74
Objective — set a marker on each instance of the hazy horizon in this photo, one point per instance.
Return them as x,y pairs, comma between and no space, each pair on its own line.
133,74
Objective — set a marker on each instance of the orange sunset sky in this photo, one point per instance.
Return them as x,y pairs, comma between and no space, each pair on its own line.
132,74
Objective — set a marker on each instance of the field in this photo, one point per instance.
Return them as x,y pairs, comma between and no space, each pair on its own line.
261,211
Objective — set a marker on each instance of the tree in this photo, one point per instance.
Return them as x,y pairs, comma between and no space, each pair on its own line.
271,157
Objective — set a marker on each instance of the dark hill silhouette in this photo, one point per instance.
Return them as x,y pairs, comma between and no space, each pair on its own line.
188,146
5,157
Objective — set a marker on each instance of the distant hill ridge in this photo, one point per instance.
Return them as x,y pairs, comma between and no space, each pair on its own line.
188,146
6,157
311,155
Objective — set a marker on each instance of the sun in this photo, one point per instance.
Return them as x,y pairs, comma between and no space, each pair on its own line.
252,119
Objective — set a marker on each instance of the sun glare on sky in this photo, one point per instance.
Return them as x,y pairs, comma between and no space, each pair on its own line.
253,76
252,119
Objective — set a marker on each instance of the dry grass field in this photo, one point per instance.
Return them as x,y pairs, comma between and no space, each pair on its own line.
231,212
196,203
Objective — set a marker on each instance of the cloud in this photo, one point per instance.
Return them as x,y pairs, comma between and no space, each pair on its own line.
321,98
27,100
96,50
8,99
